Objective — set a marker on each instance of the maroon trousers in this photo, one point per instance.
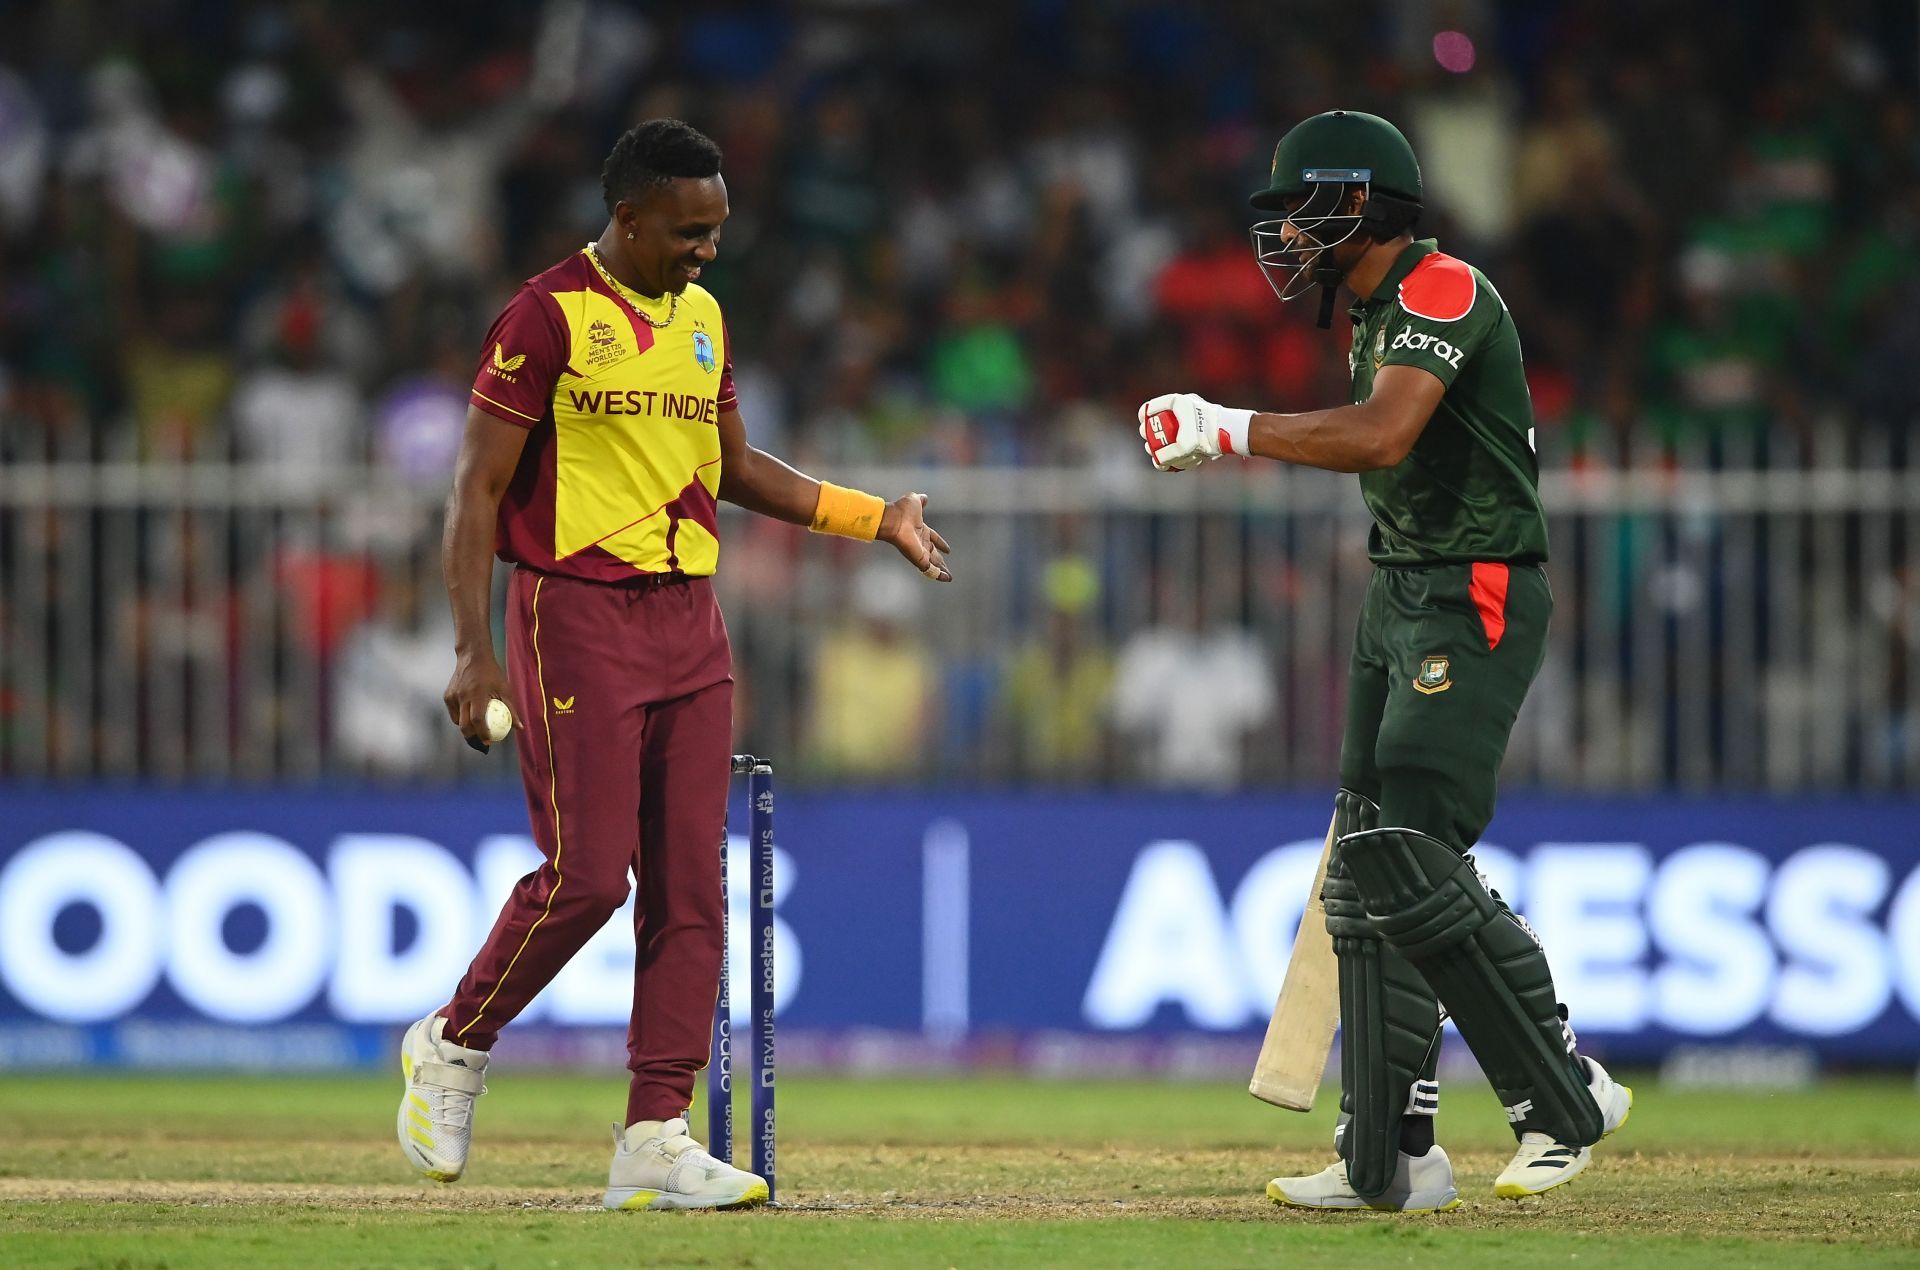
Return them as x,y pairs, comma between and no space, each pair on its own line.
627,697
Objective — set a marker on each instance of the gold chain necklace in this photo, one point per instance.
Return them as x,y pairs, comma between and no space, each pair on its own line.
673,300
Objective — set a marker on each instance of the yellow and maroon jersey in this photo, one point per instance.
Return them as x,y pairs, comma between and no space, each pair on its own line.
620,474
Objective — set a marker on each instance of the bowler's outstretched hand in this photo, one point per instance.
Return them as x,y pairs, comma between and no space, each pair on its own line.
904,524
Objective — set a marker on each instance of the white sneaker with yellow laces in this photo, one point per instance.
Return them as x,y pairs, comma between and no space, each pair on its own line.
656,1165
436,1111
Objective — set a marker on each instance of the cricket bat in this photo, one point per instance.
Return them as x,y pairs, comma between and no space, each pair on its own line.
1300,1034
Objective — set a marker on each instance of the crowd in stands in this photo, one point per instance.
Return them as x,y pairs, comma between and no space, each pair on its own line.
974,235
277,232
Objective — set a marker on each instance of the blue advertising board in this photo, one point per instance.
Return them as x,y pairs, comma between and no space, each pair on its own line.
948,913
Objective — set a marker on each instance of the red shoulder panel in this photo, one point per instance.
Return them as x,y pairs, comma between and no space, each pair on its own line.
1439,288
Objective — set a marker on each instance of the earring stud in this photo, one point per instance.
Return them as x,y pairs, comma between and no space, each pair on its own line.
629,233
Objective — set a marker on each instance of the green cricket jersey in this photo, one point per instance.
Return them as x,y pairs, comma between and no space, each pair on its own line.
1469,490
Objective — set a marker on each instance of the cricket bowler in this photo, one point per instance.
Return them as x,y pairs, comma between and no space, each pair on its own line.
1451,634
601,430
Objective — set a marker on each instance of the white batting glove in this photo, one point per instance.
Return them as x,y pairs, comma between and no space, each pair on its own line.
1181,431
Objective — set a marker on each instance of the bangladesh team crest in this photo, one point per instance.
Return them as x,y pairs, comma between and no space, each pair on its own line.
703,350
1435,676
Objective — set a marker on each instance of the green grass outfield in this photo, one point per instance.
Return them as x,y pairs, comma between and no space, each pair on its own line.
968,1171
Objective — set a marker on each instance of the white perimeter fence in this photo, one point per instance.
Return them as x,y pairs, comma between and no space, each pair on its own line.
1714,630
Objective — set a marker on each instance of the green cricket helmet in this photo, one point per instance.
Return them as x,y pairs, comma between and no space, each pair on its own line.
1314,166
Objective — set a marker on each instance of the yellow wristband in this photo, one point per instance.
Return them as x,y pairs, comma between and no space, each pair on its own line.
847,512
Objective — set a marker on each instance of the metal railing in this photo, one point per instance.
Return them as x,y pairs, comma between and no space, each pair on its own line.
1715,629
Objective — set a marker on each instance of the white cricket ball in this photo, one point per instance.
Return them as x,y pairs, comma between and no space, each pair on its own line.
499,721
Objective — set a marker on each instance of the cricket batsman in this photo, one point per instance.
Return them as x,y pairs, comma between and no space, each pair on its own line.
1452,631
601,430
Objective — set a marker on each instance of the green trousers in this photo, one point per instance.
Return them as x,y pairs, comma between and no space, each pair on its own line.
1442,659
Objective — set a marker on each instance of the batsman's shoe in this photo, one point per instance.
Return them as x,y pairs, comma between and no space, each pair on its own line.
656,1165
1421,1184
1542,1163
436,1111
